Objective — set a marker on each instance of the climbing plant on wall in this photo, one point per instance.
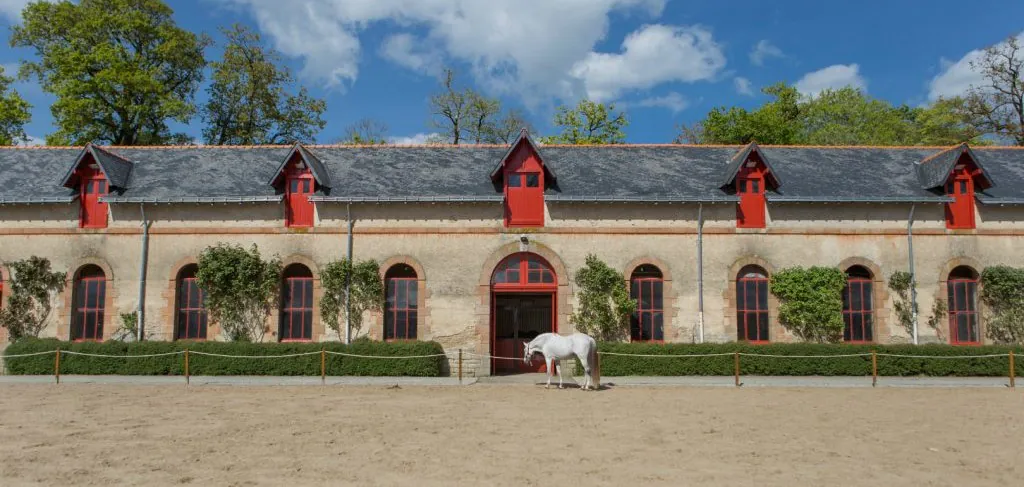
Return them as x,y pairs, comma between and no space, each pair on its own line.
811,302
240,288
1002,293
604,305
899,283
33,289
366,294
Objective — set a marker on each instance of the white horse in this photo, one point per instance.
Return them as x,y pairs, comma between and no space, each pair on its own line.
557,347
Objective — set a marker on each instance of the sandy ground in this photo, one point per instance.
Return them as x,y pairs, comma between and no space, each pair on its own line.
508,435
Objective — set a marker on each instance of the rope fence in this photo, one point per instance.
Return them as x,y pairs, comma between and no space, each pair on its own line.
458,355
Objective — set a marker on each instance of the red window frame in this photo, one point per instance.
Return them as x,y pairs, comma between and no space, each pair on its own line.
750,186
299,185
962,305
92,213
647,287
401,308
296,322
191,320
752,309
85,308
858,310
523,272
960,212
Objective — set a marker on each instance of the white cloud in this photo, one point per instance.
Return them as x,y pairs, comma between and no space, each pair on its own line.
833,77
12,9
762,50
742,86
673,101
957,77
10,69
652,55
521,46
417,139
409,52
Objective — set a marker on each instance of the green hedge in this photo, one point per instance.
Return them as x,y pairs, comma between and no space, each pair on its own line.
206,365
613,365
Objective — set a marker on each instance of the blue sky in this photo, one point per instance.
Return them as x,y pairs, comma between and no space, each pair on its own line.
665,61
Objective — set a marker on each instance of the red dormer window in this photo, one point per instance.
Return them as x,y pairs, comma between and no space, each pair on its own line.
299,185
960,187
524,190
750,186
92,185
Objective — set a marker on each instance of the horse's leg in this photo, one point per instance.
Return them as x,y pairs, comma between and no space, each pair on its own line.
558,367
547,361
586,372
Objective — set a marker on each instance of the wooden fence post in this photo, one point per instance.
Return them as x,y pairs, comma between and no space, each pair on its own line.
187,378
1013,372
460,366
874,368
56,366
736,363
323,366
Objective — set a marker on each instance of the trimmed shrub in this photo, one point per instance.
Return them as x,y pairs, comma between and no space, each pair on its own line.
616,365
336,365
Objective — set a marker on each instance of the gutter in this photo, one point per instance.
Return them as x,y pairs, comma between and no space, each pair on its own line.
348,280
913,276
141,311
700,273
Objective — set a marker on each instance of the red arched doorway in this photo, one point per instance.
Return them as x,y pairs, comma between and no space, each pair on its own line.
523,288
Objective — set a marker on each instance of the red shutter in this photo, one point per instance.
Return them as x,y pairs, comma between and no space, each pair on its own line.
93,211
960,213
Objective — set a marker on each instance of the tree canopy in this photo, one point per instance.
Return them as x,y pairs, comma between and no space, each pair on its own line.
589,122
14,112
248,102
998,104
120,69
846,116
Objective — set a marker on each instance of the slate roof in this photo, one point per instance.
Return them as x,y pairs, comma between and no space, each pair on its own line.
740,157
670,173
115,168
934,170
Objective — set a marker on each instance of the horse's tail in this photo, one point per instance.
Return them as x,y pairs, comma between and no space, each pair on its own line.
595,365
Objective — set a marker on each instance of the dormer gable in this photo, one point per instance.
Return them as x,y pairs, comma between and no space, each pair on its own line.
301,158
114,168
936,171
746,160
520,152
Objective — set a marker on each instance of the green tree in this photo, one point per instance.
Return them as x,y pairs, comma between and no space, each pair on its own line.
366,131
605,307
450,109
811,302
240,289
997,107
14,112
507,128
33,289
776,122
483,113
366,293
947,121
1002,292
120,69
589,123
248,102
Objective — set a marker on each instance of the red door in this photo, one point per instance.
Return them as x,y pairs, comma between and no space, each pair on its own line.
523,290
750,213
300,209
94,211
524,189
960,213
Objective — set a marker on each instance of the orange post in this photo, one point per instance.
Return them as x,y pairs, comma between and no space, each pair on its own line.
323,366
874,368
460,366
736,362
187,378
1013,372
56,366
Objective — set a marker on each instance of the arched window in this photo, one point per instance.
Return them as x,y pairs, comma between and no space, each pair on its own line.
752,304
962,295
89,302
401,310
645,286
296,322
858,312
190,316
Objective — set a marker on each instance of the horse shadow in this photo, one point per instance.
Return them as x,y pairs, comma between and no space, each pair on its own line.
575,385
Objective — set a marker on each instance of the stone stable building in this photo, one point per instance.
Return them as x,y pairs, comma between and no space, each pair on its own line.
478,244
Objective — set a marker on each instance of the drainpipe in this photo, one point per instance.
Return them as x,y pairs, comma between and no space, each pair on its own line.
141,311
700,272
348,279
913,276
